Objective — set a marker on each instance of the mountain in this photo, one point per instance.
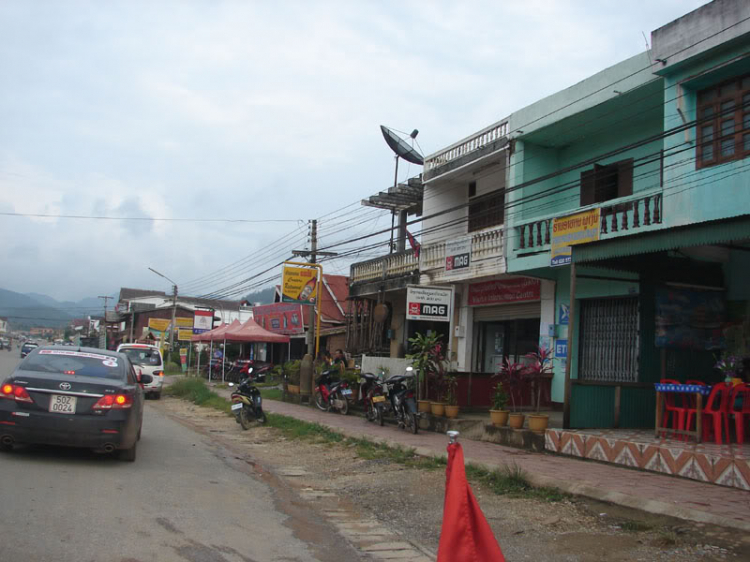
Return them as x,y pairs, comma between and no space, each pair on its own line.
83,307
264,296
24,312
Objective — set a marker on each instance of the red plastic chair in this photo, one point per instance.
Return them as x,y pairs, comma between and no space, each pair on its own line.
691,397
670,407
740,391
716,411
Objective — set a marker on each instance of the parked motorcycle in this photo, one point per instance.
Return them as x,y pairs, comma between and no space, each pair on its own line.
247,403
331,394
372,395
402,402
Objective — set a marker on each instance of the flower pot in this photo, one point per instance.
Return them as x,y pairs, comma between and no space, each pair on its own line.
516,420
437,408
292,388
499,418
423,406
538,422
451,411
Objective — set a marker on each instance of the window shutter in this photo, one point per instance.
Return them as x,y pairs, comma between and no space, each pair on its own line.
625,178
588,183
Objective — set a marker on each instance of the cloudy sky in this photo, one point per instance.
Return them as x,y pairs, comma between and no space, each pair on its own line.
252,110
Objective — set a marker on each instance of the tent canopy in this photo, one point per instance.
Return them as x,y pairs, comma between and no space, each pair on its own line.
216,333
251,331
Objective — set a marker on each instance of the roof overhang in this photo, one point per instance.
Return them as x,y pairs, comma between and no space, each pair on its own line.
402,197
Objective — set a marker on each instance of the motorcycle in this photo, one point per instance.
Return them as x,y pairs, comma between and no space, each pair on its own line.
247,403
371,393
402,401
331,394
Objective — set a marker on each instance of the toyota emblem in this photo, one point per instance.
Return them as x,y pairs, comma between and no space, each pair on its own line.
64,386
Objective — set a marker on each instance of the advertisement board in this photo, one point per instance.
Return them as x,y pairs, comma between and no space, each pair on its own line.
458,255
203,321
184,334
159,324
280,318
502,291
428,303
184,322
299,284
580,228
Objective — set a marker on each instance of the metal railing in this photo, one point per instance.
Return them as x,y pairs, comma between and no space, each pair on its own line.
467,145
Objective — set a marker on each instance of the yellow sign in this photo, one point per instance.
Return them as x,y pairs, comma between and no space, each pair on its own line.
159,324
580,228
184,334
299,284
184,323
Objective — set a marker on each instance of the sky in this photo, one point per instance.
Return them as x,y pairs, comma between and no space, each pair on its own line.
253,111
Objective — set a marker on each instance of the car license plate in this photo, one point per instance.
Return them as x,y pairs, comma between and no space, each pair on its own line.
60,404
346,391
237,406
377,399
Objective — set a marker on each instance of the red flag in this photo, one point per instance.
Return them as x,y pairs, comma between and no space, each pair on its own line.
466,536
413,243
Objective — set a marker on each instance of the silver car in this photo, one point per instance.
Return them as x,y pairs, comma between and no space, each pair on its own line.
147,359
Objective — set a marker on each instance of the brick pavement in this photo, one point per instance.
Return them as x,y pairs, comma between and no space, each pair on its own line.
654,493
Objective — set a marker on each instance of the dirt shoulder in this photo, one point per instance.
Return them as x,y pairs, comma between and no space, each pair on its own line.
398,501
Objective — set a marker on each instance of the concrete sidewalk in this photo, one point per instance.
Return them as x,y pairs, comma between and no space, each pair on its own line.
647,491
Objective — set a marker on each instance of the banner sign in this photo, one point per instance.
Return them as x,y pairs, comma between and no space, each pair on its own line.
502,291
580,228
203,321
184,334
280,318
299,284
159,324
458,255
184,322
428,303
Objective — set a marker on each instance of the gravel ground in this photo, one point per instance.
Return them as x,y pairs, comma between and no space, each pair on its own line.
409,501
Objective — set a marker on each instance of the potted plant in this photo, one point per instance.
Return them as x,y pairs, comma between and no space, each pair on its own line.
291,371
538,369
426,352
729,367
498,413
451,397
511,375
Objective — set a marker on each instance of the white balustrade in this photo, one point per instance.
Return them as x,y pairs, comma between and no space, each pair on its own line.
461,148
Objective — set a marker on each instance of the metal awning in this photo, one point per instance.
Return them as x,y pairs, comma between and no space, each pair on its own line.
403,197
720,232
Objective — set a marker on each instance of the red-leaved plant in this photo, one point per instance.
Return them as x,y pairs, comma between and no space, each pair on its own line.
511,376
539,367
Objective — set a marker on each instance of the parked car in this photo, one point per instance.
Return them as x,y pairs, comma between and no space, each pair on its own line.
83,397
148,359
27,348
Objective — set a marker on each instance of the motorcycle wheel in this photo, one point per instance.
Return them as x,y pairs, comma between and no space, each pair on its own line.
245,417
260,415
414,423
381,421
345,408
320,402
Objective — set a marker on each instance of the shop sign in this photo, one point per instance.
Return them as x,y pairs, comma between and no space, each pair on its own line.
428,303
159,324
458,255
203,321
184,322
561,348
299,284
580,228
280,318
564,314
502,291
184,334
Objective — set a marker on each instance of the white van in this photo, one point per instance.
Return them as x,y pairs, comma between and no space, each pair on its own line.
148,359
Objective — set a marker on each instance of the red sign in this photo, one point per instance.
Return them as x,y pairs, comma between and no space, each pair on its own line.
280,318
504,291
413,308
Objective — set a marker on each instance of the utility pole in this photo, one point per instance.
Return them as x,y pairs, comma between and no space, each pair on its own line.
103,342
174,309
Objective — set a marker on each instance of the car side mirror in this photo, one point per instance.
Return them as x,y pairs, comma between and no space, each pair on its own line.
146,379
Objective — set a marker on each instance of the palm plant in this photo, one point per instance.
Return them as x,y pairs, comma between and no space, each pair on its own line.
426,352
539,367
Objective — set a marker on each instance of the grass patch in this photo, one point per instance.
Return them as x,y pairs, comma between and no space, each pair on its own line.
196,391
270,393
293,428
635,526
271,384
511,480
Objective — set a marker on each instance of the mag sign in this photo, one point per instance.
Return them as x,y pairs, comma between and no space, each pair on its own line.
299,284
428,303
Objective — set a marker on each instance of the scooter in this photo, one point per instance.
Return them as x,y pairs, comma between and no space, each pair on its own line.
402,401
247,403
331,394
372,395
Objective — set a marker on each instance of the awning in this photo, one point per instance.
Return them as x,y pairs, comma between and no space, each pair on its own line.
251,331
217,333
402,197
723,231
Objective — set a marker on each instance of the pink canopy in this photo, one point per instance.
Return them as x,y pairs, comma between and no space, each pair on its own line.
251,331
217,333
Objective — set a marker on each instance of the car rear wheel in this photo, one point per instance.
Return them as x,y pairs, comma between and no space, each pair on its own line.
157,396
127,455
6,448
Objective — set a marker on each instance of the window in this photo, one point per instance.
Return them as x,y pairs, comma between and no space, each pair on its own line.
486,210
723,122
605,183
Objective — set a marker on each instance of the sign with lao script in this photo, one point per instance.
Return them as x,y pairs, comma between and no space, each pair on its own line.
569,231
457,255
428,303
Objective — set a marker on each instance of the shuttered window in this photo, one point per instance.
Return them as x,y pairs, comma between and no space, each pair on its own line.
723,128
486,210
609,343
604,183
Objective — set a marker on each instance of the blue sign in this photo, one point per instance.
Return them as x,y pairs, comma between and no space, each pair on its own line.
564,314
561,348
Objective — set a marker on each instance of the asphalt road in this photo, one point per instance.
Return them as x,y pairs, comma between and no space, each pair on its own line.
184,499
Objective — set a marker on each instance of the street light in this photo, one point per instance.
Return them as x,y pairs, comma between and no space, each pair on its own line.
174,309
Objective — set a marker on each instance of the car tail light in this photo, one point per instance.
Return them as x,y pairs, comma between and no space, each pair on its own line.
15,392
158,373
113,402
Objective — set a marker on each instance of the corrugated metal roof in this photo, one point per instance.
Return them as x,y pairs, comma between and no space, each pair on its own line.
713,232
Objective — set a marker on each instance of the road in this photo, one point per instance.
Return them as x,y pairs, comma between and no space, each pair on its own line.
185,498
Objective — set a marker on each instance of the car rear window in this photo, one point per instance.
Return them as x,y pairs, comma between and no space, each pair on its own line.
142,356
28,346
74,363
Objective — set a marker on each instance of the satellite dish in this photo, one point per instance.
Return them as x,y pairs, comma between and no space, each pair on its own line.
401,147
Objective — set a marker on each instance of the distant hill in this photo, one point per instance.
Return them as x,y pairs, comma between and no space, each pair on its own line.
24,312
264,296
83,307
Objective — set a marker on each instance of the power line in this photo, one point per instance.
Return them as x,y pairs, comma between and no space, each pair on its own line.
144,219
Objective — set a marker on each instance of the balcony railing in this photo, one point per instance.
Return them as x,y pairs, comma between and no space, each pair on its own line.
627,213
484,245
391,265
469,144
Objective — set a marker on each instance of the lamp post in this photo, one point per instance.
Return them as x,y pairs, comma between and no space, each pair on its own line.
174,309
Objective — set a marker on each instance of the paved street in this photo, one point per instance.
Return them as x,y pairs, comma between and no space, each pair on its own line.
185,498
